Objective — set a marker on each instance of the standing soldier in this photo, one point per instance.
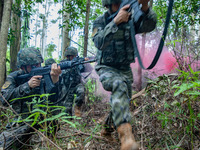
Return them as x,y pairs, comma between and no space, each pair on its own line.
114,56
13,87
72,84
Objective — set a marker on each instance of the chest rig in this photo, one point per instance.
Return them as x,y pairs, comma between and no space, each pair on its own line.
118,49
71,76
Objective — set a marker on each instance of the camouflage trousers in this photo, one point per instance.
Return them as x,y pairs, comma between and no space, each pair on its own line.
15,137
119,83
79,90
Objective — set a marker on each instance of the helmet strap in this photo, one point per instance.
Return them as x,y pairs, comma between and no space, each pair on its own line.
25,68
110,9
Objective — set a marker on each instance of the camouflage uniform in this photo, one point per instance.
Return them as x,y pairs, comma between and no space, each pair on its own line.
72,84
114,55
18,88
49,61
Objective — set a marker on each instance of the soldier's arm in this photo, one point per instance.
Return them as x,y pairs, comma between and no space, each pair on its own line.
147,23
10,90
55,92
102,33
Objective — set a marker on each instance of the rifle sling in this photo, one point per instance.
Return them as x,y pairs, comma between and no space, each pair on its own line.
155,60
63,97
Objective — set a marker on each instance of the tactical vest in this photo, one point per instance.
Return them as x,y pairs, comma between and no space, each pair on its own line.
71,77
20,105
119,50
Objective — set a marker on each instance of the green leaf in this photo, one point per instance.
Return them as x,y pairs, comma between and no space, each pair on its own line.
69,122
193,93
183,88
24,97
55,117
39,110
166,105
198,115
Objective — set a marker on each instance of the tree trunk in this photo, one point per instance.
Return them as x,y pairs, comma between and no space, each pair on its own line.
65,29
151,3
86,28
176,29
1,11
36,26
43,40
139,68
59,42
44,29
16,30
4,38
25,31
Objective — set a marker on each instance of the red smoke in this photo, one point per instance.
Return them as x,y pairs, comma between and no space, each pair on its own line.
165,65
169,61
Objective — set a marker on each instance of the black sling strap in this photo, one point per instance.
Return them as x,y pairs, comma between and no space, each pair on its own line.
132,28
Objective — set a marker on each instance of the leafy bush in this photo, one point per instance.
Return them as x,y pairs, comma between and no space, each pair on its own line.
168,115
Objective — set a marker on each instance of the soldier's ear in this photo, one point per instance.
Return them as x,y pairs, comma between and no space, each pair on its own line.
94,31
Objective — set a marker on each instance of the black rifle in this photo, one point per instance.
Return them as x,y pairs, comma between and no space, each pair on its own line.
134,9
45,71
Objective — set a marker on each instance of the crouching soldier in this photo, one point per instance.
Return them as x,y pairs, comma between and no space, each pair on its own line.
27,59
72,84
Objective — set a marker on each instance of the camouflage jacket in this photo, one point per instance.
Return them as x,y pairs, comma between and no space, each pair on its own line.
15,88
72,77
113,41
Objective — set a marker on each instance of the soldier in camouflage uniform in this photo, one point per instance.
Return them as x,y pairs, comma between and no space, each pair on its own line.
72,84
13,87
49,61
114,56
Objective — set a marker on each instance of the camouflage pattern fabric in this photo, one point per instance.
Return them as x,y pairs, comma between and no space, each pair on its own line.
17,89
79,90
14,88
68,101
114,42
71,51
114,55
119,83
49,61
15,137
71,84
29,56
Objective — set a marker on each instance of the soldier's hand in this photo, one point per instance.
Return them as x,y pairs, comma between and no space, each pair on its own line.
86,58
55,72
123,15
34,81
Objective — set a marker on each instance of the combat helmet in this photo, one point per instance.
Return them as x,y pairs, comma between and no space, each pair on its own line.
49,61
71,51
109,2
29,56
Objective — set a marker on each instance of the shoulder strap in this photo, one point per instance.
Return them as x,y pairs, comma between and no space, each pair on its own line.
155,60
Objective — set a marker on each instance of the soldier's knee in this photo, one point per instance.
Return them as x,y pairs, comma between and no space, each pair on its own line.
119,84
